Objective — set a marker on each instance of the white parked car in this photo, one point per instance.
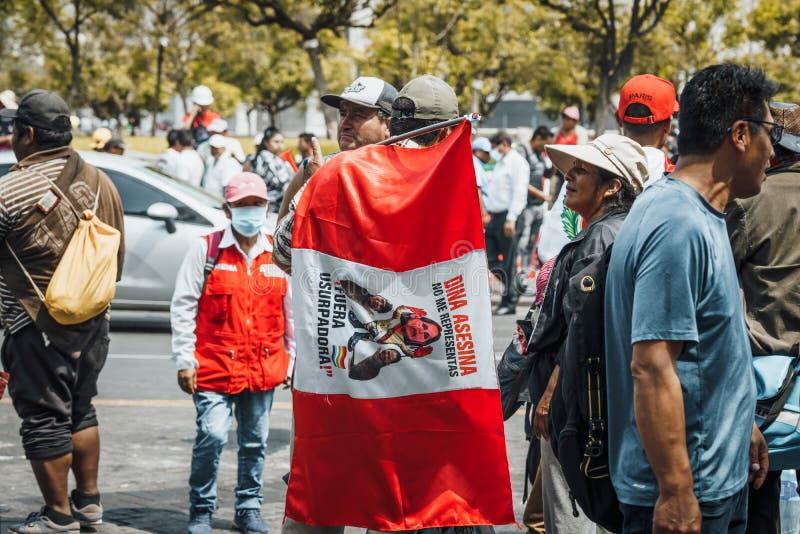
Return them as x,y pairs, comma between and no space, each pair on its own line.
162,217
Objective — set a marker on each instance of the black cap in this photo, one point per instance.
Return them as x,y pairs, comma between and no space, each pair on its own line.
41,109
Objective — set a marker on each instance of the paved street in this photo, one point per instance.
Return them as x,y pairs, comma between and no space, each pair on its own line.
147,429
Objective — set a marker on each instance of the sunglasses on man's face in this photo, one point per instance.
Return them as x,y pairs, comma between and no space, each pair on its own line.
775,133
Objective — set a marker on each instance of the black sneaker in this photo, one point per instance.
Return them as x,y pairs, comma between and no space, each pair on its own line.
88,515
38,523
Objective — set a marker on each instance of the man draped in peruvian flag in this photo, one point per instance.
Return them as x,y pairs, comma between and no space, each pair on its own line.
389,267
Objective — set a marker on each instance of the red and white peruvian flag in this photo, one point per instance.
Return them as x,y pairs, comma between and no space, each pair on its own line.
397,417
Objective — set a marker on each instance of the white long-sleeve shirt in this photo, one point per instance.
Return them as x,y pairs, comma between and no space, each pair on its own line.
219,173
185,165
188,288
190,167
508,186
168,162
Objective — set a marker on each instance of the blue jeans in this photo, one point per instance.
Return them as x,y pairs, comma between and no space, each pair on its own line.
725,515
215,413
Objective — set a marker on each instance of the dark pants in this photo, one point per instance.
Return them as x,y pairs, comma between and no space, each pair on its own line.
532,218
52,392
725,515
763,508
502,255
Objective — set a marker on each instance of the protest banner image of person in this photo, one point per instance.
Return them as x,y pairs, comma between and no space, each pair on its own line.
407,332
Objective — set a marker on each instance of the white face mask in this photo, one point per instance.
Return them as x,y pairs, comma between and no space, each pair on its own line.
248,221
495,154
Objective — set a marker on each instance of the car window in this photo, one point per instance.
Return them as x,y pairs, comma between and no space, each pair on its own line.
197,193
137,196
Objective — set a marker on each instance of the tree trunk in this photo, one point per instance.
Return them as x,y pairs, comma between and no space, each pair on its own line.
249,121
180,88
601,103
157,95
75,79
75,56
321,85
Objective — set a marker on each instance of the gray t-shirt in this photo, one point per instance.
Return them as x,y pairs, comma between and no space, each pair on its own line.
672,277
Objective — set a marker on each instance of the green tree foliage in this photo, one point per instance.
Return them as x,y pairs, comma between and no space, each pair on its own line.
483,49
272,54
18,70
70,22
614,31
776,23
688,38
268,65
310,21
118,68
769,38
561,75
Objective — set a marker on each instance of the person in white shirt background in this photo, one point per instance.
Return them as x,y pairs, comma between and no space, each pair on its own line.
180,160
191,166
505,199
168,160
222,167
220,126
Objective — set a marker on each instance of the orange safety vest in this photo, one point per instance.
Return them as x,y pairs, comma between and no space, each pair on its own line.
240,325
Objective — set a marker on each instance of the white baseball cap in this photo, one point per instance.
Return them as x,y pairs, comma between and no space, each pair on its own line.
482,143
217,141
365,91
218,126
201,95
8,99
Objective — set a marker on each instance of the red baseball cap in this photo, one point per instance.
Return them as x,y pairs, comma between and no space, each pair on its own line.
243,185
651,91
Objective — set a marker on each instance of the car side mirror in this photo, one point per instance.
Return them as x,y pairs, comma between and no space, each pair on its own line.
161,211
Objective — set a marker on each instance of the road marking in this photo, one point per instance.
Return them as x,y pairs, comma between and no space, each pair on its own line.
156,403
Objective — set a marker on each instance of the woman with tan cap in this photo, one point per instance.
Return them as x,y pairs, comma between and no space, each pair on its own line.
602,181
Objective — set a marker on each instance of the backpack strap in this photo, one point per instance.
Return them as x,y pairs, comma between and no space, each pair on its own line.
26,273
212,254
61,193
97,197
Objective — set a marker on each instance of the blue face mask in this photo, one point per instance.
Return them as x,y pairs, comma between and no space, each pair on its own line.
248,221
496,155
